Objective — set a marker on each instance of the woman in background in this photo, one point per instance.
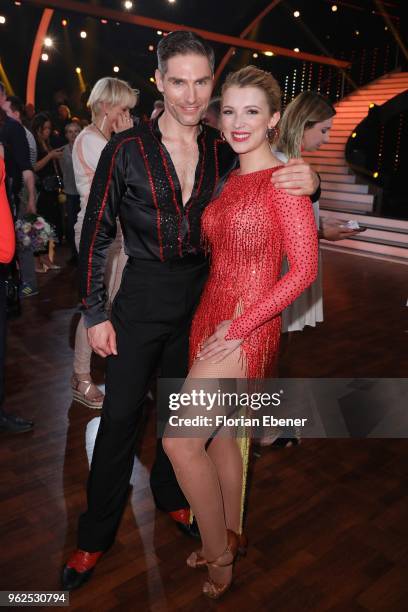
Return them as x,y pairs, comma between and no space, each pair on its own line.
49,184
110,102
305,126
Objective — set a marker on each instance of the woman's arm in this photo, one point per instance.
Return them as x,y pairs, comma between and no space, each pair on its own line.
54,154
296,219
7,235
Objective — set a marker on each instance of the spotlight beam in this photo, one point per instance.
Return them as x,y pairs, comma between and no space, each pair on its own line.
383,12
36,54
243,34
231,41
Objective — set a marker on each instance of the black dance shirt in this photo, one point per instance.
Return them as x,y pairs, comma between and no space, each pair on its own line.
136,181
16,150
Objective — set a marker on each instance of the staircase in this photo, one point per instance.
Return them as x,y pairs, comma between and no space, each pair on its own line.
345,195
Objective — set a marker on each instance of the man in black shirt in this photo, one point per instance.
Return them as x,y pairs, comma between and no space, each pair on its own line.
158,178
16,157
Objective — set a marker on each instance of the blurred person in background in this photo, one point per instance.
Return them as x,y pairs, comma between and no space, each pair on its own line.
213,112
110,102
72,202
14,108
49,183
158,108
8,422
19,170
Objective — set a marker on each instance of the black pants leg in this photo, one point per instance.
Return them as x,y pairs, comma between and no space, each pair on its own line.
174,364
72,207
154,305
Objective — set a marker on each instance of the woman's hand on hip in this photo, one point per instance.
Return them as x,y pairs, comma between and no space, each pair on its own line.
216,348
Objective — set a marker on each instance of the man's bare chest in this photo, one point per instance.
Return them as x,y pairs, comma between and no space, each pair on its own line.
185,163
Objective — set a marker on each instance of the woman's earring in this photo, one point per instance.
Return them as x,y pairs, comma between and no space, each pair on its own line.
223,136
271,133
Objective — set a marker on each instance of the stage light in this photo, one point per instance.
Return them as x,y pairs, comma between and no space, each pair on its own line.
159,32
255,55
17,3
78,70
334,8
269,53
172,1
2,19
375,174
151,48
116,69
386,28
354,134
48,42
128,5
371,105
152,80
64,23
357,32
296,14
44,57
104,21
83,34
296,49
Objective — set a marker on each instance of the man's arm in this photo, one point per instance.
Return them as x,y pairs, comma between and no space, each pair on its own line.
297,178
29,182
21,153
99,230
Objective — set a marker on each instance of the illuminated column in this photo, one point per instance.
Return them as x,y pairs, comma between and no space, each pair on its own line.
36,54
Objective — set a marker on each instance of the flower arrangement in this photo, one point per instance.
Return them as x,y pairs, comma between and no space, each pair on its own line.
34,233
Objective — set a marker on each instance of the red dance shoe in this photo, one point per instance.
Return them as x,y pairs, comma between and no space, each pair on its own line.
182,520
79,568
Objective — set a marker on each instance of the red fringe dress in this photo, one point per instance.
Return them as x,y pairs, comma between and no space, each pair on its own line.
248,229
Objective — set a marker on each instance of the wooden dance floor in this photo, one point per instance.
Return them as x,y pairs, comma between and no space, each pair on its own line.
327,521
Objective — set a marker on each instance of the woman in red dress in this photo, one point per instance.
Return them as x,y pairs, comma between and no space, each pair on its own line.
235,333
8,422
7,235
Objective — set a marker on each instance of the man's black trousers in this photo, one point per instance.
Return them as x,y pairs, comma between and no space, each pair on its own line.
151,315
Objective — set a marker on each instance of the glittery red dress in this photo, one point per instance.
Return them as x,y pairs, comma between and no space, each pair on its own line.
248,230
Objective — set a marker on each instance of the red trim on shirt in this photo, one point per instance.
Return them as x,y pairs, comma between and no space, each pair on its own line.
100,215
173,189
154,196
200,183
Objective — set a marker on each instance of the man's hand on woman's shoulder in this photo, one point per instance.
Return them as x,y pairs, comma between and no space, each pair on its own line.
297,178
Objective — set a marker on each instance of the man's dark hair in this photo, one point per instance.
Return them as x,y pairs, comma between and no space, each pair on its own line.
182,43
16,105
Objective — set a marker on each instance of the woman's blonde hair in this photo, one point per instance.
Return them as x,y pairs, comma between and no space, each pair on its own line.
251,76
307,109
111,91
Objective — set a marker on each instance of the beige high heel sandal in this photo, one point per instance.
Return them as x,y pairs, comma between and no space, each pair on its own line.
81,389
215,590
197,561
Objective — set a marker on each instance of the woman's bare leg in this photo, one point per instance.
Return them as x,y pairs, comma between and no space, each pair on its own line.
211,480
